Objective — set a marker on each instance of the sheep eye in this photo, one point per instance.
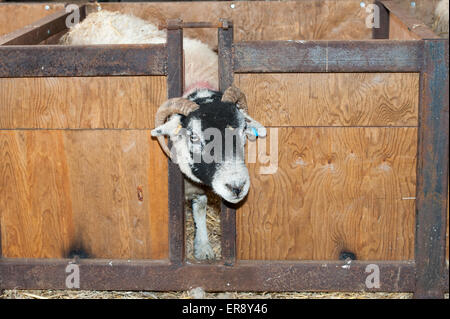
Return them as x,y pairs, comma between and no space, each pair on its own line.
194,138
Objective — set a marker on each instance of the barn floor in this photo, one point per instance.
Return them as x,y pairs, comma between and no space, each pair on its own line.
83,294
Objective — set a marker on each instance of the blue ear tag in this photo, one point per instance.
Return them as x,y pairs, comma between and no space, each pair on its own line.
255,131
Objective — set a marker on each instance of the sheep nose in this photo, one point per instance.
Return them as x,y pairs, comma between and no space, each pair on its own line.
235,189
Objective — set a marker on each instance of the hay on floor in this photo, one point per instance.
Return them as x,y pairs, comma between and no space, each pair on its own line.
83,294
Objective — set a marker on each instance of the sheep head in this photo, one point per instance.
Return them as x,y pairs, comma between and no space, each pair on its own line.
208,131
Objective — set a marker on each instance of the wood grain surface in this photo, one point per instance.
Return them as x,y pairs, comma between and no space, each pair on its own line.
81,102
260,20
336,190
96,183
14,16
99,192
334,99
345,182
399,31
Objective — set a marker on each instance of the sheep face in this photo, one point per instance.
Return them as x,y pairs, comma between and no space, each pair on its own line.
208,144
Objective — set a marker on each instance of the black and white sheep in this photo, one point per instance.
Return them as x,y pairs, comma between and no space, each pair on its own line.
202,117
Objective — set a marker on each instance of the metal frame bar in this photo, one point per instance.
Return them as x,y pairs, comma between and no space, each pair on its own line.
327,56
84,60
176,179
426,275
432,170
243,276
195,25
228,213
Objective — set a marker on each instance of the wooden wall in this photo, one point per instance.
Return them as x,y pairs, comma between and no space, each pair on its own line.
422,10
79,171
345,182
411,22
399,31
14,16
261,20
346,142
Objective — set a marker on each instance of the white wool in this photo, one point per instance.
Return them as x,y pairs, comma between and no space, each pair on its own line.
106,27
441,18
201,64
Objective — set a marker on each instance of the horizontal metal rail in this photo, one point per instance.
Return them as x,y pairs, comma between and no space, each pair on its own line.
84,60
327,56
179,24
395,276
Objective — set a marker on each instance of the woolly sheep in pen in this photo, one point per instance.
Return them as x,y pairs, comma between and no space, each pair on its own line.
106,27
186,120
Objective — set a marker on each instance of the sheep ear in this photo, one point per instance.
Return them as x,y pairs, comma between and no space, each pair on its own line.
171,127
254,128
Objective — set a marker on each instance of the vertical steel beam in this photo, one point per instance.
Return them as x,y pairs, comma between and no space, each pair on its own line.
176,180
432,171
226,75
225,40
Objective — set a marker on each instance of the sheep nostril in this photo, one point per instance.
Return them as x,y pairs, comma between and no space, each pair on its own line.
236,190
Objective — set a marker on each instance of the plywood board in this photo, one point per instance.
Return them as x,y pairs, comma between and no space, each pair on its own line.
102,193
14,16
335,190
332,99
399,31
260,20
81,102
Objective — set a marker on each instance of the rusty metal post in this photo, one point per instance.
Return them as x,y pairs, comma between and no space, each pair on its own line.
82,60
226,75
383,31
119,274
176,180
327,56
225,40
432,171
